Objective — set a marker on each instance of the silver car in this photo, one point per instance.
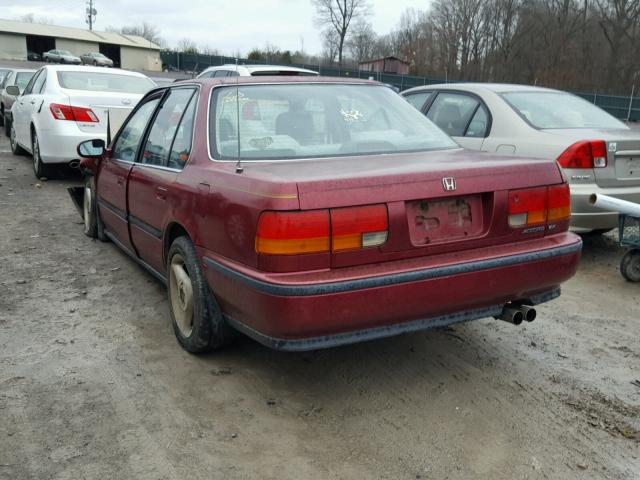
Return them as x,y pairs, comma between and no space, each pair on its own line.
598,153
20,78
61,56
254,71
96,59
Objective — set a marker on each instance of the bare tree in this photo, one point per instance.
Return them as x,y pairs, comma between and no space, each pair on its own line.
32,18
337,15
186,45
361,42
145,30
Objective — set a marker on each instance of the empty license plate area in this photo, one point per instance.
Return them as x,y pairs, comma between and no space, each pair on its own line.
442,220
628,167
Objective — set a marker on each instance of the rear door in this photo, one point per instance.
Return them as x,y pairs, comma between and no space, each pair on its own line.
114,171
462,116
151,191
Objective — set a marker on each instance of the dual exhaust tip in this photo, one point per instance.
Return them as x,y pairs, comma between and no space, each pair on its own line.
516,314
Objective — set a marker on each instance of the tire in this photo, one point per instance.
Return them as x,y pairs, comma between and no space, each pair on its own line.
15,148
630,265
40,169
93,226
7,126
196,317
1,115
95,64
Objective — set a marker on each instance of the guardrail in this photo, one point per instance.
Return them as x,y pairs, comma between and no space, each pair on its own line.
619,106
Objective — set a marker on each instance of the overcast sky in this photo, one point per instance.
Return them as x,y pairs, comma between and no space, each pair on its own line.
228,25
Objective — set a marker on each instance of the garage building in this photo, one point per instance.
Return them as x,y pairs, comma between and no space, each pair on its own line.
126,51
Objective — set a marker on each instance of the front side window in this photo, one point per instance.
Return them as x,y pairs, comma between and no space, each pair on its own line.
452,112
104,82
165,126
22,79
559,110
128,142
294,121
38,85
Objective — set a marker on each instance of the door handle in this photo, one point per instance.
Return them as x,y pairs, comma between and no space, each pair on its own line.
33,102
120,180
161,193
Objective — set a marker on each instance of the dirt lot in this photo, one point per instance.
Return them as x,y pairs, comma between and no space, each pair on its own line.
94,386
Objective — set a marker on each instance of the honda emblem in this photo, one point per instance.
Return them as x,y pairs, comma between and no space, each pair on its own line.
449,184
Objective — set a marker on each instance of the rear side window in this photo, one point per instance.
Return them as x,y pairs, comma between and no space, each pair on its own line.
181,148
418,99
104,82
479,124
452,112
128,141
164,127
38,85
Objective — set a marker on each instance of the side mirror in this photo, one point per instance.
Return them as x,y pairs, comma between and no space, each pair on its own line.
13,90
92,148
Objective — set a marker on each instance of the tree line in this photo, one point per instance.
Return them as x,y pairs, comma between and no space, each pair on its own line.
578,44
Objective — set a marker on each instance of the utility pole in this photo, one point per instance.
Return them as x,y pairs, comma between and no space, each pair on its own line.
91,14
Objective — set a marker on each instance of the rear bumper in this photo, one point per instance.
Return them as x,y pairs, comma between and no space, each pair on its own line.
323,309
585,217
59,144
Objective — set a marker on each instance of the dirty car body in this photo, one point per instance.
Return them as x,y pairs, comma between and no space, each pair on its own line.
327,211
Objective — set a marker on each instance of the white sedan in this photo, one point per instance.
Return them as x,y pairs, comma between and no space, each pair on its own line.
598,153
64,105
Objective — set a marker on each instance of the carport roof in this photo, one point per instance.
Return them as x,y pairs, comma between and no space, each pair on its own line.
22,28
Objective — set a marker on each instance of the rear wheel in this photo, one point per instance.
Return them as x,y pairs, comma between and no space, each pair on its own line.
197,319
1,115
13,141
630,265
7,125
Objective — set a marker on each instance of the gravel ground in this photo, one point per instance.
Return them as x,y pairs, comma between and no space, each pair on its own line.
93,384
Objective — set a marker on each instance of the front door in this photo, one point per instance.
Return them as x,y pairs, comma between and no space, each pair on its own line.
114,171
24,107
152,182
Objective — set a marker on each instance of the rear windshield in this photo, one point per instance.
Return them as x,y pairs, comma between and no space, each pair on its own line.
316,120
104,82
559,110
22,78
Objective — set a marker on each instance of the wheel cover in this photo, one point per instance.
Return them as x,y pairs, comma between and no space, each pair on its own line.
181,295
86,208
36,152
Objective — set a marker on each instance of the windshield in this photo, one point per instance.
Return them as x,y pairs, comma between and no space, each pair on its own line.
65,52
104,82
559,110
22,78
316,120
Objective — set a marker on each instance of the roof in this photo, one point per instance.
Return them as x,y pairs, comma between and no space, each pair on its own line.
261,68
483,87
85,68
287,79
22,28
390,57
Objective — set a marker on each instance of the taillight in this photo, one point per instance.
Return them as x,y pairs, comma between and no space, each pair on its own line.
321,231
559,203
537,206
290,233
358,227
527,207
586,154
69,112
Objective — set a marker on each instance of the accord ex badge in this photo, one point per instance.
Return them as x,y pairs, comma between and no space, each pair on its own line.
449,184
126,101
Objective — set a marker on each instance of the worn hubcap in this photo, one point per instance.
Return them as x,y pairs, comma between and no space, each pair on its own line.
12,137
181,294
87,208
36,152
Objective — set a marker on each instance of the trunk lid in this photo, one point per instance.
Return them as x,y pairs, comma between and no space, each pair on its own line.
117,104
623,154
437,201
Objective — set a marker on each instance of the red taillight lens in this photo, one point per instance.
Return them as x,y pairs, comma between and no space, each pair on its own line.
559,203
527,207
321,231
359,227
535,206
586,154
68,112
291,233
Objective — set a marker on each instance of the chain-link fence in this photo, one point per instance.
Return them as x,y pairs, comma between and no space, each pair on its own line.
619,106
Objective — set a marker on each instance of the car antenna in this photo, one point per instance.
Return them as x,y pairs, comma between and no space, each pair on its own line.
239,168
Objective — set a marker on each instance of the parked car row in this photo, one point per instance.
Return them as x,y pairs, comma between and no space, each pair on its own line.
65,56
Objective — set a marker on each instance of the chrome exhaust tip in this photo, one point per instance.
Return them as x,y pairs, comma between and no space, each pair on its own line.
529,313
512,315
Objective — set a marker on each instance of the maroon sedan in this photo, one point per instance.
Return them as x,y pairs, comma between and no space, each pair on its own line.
308,213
